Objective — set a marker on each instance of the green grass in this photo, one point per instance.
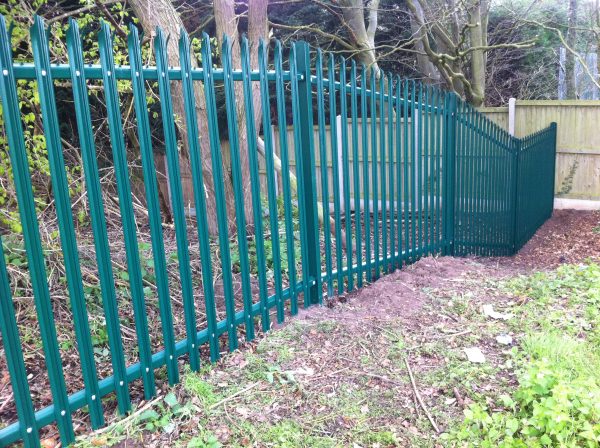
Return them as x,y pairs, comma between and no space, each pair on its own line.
557,399
284,434
196,386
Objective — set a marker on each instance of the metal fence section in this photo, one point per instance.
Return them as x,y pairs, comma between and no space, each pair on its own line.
502,185
386,170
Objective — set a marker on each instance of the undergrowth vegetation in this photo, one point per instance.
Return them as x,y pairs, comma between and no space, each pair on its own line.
557,400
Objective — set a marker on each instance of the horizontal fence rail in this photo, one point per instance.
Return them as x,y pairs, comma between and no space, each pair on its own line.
367,173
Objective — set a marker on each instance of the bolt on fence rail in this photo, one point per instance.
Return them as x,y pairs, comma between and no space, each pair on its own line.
387,170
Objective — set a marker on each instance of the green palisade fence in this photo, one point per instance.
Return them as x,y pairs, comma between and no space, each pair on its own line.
386,170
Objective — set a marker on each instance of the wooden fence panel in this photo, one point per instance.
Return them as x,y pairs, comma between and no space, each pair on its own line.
578,140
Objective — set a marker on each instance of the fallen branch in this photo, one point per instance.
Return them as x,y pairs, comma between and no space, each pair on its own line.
418,396
459,398
294,187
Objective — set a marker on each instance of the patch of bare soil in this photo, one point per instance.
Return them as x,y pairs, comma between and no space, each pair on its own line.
569,236
401,294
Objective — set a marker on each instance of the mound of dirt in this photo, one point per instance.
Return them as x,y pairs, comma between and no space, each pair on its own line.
403,293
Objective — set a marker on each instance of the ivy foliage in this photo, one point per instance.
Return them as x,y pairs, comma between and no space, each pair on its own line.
19,17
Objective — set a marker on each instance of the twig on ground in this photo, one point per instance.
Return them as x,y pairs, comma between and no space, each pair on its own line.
451,335
417,407
449,317
7,400
419,399
382,378
239,392
130,417
459,398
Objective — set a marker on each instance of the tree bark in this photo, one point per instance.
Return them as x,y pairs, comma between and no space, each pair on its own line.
457,43
362,35
570,56
226,22
426,67
597,26
258,29
477,17
153,13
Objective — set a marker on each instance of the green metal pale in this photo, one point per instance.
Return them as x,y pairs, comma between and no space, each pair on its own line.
382,173
335,172
152,201
390,166
324,170
301,76
62,199
92,179
418,169
172,152
346,172
356,174
199,197
425,159
14,359
405,155
217,166
259,236
365,173
397,151
374,176
236,171
115,126
285,175
270,168
297,124
33,246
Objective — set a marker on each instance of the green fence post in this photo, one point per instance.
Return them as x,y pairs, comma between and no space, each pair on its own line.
515,193
449,165
177,204
553,126
308,182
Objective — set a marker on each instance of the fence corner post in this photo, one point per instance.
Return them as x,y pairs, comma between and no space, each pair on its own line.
515,198
450,123
307,181
554,128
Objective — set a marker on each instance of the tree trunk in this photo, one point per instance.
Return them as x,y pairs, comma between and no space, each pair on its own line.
153,13
227,24
426,67
477,91
362,36
257,29
570,56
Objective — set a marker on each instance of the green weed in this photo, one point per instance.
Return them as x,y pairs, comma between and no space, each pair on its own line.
196,386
